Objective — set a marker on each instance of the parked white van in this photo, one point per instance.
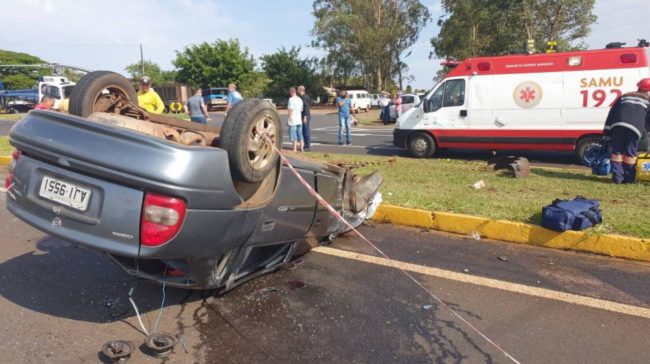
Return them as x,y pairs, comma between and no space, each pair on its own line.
360,100
552,102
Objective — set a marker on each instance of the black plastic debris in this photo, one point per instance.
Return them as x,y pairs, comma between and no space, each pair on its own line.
519,166
296,284
118,351
161,344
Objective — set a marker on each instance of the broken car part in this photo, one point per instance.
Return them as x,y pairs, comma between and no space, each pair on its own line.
161,344
118,351
519,166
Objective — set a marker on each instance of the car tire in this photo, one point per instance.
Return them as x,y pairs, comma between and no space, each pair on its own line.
583,145
86,92
251,157
421,145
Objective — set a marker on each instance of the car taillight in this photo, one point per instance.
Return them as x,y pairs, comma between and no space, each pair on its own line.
9,178
162,217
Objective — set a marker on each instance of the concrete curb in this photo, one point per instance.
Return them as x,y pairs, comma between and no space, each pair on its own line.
5,160
516,232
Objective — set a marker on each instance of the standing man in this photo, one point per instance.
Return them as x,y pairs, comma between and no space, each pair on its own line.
626,124
295,107
306,117
196,109
344,104
148,99
234,97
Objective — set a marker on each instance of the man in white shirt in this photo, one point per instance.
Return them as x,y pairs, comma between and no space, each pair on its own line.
294,107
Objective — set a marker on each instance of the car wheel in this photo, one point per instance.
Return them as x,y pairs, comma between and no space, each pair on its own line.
88,94
583,145
421,145
251,156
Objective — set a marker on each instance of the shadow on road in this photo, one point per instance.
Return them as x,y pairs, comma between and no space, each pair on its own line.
65,281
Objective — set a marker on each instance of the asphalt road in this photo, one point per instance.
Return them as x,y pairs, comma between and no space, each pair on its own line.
59,303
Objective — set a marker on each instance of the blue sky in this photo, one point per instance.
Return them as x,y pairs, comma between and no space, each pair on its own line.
88,34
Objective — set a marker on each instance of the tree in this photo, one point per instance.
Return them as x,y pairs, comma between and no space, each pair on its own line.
563,21
153,71
285,69
21,77
214,64
18,81
373,33
254,84
479,27
494,27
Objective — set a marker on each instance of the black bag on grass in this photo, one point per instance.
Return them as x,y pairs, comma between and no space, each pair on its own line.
577,214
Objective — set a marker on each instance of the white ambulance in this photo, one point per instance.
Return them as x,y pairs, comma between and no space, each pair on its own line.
551,102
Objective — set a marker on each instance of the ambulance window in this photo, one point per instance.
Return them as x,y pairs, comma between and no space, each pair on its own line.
435,101
454,93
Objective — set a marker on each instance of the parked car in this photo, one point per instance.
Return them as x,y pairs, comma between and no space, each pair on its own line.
360,100
187,204
408,101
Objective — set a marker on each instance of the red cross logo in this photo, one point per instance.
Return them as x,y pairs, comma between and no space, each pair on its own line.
527,94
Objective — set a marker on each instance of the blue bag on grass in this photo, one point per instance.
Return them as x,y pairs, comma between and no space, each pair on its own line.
577,214
598,158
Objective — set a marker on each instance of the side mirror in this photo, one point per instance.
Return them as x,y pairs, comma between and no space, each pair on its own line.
426,106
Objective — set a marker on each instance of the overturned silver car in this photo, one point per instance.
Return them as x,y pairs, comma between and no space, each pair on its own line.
188,204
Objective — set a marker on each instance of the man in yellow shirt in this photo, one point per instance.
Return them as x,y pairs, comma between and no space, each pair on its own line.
148,99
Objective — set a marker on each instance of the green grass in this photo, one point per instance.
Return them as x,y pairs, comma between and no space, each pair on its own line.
5,147
11,117
446,185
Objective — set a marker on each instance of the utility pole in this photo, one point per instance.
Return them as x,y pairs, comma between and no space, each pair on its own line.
141,60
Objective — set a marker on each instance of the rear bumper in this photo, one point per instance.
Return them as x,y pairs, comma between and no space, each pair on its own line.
400,137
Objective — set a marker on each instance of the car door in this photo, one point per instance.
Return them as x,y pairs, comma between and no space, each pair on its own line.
446,107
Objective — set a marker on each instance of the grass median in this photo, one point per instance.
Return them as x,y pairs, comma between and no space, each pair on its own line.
446,185
11,117
5,147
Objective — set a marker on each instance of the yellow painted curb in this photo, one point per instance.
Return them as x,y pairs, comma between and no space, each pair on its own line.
517,232
5,160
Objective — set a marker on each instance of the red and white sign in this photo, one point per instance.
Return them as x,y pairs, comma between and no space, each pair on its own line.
528,94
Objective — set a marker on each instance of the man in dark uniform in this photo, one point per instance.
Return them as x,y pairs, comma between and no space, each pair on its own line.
626,124
306,117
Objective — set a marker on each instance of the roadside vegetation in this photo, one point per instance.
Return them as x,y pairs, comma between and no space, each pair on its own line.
446,185
5,147
11,117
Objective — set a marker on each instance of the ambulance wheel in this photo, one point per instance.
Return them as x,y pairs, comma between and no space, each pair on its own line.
421,145
584,144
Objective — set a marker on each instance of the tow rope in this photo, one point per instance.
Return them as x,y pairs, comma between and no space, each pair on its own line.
334,213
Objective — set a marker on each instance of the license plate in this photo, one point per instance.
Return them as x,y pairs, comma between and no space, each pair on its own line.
65,193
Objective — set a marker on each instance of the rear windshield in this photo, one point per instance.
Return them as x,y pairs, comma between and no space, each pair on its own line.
215,91
408,99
